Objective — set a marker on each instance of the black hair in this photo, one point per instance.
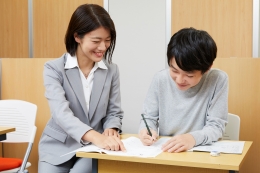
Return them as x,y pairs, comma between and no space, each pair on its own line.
192,49
86,18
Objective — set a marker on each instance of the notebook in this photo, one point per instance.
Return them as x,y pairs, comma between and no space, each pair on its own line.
133,145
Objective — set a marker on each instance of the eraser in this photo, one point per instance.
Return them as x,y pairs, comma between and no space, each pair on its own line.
214,153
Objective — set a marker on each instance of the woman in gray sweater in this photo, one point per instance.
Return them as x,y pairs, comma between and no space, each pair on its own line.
189,100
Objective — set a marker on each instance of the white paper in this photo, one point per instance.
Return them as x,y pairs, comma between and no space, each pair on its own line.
133,145
231,147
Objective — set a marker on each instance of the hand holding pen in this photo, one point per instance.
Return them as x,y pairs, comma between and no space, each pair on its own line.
147,135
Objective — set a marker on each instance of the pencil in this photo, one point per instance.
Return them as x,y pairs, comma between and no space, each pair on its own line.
146,125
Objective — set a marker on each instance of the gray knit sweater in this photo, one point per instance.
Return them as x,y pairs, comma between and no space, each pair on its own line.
200,111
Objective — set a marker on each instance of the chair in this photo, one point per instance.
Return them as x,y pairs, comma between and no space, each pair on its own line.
21,115
232,128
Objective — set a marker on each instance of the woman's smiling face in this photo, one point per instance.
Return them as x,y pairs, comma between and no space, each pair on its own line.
94,44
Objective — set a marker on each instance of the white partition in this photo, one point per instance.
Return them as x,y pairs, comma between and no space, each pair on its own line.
140,51
0,78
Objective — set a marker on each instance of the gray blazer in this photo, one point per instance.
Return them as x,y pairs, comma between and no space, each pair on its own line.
70,118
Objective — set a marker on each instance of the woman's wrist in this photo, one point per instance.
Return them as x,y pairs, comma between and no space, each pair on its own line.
90,135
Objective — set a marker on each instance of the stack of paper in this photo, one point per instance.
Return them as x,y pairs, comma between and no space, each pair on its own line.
232,147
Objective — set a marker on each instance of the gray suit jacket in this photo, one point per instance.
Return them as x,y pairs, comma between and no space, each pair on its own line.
70,119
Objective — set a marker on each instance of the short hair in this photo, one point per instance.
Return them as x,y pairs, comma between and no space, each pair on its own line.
192,49
86,18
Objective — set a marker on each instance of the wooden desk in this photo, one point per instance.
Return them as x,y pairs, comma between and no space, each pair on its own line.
4,130
185,162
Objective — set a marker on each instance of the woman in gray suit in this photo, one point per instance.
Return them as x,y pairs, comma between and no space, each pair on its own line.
83,92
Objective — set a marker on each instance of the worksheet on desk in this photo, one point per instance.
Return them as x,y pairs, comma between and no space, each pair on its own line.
231,147
133,145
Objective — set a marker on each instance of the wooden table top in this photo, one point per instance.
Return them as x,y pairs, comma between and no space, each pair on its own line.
188,159
4,130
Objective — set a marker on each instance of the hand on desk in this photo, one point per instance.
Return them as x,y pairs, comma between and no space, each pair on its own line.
179,143
112,142
146,138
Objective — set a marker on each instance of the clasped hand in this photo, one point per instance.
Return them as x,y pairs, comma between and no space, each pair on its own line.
176,144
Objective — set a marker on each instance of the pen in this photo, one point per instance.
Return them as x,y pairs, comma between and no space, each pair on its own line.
146,125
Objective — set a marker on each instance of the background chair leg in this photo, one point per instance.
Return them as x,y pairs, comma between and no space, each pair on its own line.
24,171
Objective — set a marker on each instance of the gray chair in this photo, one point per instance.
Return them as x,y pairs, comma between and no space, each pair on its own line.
232,128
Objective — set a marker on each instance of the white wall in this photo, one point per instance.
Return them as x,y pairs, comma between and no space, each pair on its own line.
140,51
0,77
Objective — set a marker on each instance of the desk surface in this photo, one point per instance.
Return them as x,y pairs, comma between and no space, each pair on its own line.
4,130
188,159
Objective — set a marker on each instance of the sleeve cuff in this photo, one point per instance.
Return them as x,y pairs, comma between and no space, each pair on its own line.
83,143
